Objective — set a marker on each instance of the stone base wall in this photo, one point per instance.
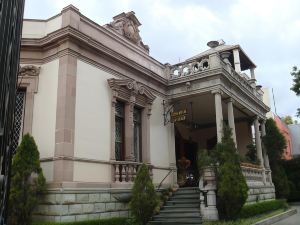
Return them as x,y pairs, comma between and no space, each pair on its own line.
260,193
63,205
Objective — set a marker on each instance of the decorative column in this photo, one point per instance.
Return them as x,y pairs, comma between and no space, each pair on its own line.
252,73
236,58
252,80
219,114
259,146
129,125
231,119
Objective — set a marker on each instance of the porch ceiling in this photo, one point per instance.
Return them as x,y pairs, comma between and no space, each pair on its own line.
201,109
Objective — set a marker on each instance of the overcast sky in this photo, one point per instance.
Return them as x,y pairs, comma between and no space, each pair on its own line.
267,30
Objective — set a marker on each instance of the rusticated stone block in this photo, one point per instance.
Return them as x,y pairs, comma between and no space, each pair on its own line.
57,210
82,198
82,217
94,216
115,214
94,197
87,208
75,209
50,198
68,198
105,197
111,206
67,218
99,207
105,215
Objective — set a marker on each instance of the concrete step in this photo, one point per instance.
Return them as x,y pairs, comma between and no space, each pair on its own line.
177,214
179,210
179,219
181,207
185,196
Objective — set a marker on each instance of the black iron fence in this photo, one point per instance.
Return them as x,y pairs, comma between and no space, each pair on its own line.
11,15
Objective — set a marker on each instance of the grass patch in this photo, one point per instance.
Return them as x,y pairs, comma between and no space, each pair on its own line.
111,221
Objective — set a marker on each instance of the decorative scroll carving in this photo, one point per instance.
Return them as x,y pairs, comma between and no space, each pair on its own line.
134,87
127,25
29,70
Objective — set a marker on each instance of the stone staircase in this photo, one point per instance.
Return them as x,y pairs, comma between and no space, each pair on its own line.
181,209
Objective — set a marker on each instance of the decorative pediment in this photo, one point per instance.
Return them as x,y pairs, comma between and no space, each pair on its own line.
29,70
133,86
126,24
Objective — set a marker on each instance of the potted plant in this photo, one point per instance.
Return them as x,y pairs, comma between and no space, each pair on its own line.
183,164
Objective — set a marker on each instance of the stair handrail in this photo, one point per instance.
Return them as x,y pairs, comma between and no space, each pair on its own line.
170,171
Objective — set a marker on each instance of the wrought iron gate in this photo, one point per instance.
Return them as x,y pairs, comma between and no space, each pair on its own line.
11,15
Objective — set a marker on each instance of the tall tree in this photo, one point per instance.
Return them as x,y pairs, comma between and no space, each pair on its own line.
296,85
287,120
27,182
275,144
231,184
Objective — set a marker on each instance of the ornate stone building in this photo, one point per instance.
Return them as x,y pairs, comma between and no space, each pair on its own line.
98,105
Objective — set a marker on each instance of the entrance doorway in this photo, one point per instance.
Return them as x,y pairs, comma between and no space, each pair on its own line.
186,158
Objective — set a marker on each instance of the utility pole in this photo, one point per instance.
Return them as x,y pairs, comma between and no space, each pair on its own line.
11,20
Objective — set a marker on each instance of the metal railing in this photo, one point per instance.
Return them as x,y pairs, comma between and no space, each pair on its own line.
11,15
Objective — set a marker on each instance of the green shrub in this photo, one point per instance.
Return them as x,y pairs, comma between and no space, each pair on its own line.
232,189
144,198
255,209
111,221
27,182
292,170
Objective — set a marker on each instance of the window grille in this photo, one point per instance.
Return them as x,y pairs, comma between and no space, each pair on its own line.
119,131
137,134
18,120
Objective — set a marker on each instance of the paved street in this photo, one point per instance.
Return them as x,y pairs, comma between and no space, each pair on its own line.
292,220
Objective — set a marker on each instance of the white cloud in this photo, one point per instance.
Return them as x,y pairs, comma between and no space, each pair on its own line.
268,30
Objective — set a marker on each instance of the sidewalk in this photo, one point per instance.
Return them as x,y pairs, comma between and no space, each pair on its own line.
292,220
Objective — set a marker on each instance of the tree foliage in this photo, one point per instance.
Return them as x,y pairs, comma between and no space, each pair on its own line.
274,141
232,189
251,155
27,182
296,85
287,120
292,169
144,197
275,144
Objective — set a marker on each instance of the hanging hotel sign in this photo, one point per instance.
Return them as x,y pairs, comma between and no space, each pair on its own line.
178,116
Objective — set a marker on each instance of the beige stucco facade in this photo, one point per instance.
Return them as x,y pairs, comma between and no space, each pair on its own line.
75,72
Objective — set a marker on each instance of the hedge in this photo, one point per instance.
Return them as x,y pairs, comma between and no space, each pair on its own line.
262,207
112,221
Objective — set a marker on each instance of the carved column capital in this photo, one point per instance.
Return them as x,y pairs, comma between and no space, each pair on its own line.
217,92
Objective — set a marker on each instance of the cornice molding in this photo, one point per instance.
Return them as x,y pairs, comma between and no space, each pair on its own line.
68,33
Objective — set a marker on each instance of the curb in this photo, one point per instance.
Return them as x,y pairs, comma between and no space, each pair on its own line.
276,218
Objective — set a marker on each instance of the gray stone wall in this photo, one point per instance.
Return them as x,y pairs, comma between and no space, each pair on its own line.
260,193
74,205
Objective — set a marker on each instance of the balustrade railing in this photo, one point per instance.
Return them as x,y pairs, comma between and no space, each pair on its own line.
200,65
189,68
252,174
125,171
